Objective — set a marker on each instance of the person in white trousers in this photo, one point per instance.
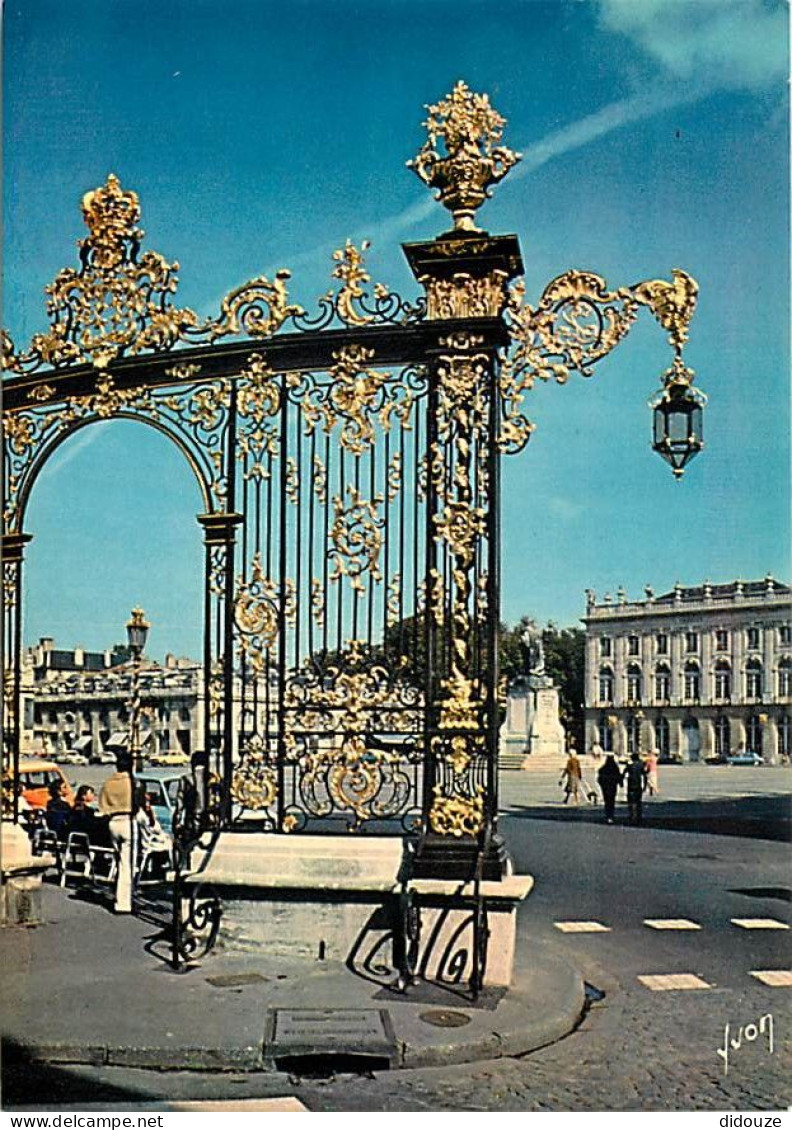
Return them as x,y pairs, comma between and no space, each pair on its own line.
115,801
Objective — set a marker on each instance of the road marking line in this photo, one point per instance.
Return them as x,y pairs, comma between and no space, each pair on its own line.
671,924
774,977
760,923
581,927
660,982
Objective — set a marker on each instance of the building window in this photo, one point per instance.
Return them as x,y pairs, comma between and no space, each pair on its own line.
722,736
662,643
606,685
633,683
605,647
753,679
752,638
663,738
692,682
785,678
663,683
754,734
633,734
721,640
722,680
785,736
691,641
633,645
785,634
605,735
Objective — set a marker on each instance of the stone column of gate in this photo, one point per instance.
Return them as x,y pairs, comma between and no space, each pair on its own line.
219,538
465,275
13,553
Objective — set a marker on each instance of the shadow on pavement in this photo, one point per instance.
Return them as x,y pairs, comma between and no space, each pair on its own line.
28,1082
761,818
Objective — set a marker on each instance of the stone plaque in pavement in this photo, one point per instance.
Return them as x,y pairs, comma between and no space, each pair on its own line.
329,1031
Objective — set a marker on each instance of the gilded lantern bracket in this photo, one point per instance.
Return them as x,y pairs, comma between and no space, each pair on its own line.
578,321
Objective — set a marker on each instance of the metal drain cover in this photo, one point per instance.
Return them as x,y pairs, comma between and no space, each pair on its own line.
445,1018
303,1032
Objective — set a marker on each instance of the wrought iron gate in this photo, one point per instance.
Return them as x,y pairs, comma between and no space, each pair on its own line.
349,467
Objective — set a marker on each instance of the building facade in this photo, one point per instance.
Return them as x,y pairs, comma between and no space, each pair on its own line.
696,673
80,700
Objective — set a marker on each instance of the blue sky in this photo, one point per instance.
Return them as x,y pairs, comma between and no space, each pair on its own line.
261,135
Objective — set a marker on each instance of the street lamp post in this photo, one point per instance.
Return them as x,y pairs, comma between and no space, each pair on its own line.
137,632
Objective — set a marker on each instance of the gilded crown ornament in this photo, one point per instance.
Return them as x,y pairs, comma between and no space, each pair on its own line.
470,129
111,215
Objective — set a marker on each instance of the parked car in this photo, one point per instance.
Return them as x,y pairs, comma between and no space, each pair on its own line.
71,757
36,776
169,757
162,785
746,757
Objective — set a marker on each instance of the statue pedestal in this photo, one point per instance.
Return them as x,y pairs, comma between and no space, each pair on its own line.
532,734
546,734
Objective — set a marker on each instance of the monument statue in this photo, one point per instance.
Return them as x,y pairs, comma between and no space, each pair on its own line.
532,734
534,649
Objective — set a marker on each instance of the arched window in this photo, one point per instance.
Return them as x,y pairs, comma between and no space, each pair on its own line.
633,734
785,736
605,735
663,738
605,685
753,679
692,681
633,683
722,736
663,683
785,677
722,680
755,734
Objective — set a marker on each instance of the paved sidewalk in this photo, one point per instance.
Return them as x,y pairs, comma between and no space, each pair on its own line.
89,987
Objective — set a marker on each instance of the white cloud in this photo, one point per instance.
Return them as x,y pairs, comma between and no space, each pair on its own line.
726,44
72,447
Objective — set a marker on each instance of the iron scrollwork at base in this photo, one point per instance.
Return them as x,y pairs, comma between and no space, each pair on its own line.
198,924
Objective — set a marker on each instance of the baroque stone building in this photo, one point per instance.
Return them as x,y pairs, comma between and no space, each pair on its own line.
79,700
695,673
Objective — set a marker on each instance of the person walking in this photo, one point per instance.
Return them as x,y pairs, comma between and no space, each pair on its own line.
635,779
651,773
609,778
115,802
571,777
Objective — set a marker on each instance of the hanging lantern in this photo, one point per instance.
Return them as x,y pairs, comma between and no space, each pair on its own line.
678,418
137,631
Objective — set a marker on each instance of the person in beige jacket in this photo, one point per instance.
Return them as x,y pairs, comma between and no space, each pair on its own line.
115,801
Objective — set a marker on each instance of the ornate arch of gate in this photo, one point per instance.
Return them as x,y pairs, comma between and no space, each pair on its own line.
349,462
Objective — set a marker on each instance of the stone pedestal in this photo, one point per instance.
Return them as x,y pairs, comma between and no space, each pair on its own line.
20,878
546,733
323,898
532,733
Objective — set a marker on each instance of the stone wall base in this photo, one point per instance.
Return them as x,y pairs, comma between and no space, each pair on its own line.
276,899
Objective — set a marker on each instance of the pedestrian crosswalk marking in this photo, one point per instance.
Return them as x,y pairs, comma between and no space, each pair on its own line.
760,923
671,924
581,927
659,982
774,977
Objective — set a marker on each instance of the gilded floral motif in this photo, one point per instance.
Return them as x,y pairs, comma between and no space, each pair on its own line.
470,129
457,815
356,537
